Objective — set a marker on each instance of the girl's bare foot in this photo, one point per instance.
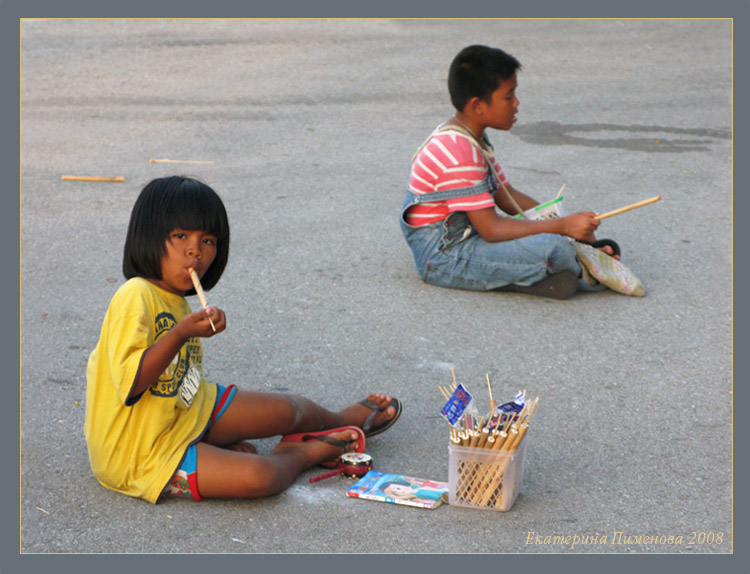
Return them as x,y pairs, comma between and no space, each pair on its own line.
318,451
357,414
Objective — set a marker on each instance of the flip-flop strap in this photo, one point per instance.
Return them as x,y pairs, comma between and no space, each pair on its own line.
367,425
370,405
326,439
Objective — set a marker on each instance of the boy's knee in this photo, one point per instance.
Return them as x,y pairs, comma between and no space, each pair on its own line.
562,256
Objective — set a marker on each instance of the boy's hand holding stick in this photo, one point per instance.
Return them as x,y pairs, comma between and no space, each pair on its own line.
200,293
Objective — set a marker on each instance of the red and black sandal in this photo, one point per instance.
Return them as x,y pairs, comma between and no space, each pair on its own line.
324,436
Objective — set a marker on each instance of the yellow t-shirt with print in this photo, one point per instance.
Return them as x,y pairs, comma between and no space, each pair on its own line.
136,443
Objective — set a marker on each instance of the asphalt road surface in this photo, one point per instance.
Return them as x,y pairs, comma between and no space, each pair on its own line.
311,125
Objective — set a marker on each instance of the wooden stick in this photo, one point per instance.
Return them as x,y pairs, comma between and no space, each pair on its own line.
483,439
476,434
519,438
454,433
200,293
628,207
507,438
474,438
91,178
493,403
511,440
488,479
494,481
531,410
522,412
179,161
559,192
464,436
492,475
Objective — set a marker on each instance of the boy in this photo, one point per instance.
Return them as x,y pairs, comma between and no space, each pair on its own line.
449,218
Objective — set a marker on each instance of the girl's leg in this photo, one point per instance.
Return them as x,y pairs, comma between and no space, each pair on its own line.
223,473
260,415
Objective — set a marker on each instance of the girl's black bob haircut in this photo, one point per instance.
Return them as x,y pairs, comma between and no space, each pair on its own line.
477,71
166,204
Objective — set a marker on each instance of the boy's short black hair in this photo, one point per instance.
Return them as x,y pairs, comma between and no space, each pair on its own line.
166,204
477,71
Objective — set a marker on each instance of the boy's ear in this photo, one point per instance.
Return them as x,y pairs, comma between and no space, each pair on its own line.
475,106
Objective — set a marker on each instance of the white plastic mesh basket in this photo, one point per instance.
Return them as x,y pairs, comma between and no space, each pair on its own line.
485,479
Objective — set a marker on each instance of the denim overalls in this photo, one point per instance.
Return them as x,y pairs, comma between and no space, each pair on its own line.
450,253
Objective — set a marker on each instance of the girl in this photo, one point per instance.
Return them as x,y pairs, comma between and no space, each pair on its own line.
154,426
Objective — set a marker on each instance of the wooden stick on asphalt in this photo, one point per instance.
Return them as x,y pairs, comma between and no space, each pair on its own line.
179,161
628,207
199,292
91,178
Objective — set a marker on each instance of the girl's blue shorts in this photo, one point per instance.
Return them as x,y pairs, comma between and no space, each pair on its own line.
184,482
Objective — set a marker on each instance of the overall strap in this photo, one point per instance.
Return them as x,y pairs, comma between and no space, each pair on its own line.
486,185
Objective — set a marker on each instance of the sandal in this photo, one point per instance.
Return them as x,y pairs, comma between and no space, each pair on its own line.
368,427
323,436
562,285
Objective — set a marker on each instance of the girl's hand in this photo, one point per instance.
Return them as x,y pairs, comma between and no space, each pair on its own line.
580,226
158,356
197,324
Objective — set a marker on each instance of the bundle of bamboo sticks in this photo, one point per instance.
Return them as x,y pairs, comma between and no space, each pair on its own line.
496,439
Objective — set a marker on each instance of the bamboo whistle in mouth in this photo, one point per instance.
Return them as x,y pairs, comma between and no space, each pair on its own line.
200,293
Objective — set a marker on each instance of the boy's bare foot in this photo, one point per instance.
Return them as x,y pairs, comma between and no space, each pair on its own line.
357,414
319,451
608,246
609,251
242,446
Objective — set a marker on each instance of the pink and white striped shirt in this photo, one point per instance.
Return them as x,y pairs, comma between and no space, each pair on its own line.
448,161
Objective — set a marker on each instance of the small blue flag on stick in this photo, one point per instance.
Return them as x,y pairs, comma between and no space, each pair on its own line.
456,405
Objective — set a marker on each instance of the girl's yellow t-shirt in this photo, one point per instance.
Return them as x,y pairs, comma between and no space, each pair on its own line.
137,443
